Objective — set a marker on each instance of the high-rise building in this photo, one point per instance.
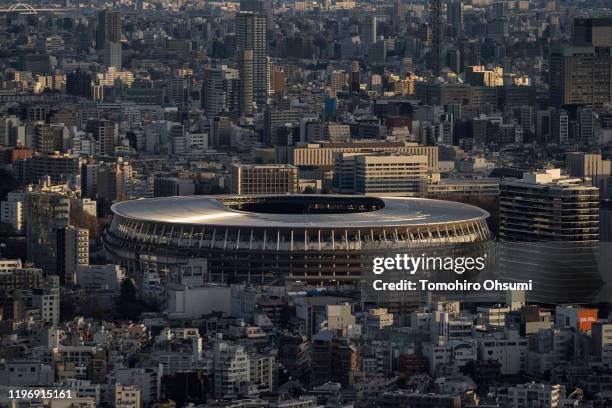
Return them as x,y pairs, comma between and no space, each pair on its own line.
46,213
8,124
109,28
592,31
103,131
60,167
455,16
278,81
12,210
220,90
333,359
111,55
251,34
49,138
294,355
549,232
108,37
560,127
338,80
589,165
584,120
580,76
264,179
437,35
109,182
535,196
46,298
72,252
367,32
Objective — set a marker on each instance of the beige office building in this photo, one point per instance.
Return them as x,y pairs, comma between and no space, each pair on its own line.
322,154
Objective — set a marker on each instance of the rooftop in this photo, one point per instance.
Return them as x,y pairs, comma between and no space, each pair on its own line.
295,211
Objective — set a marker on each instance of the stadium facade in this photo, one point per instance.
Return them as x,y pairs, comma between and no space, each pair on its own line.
262,239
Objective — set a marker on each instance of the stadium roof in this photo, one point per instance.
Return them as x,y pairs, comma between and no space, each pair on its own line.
299,211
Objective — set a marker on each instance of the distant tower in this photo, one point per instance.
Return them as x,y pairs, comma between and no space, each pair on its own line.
367,32
251,35
109,28
108,37
454,16
436,35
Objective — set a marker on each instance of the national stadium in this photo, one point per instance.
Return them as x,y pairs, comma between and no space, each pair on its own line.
263,239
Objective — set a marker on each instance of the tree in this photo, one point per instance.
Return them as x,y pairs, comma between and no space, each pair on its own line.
128,306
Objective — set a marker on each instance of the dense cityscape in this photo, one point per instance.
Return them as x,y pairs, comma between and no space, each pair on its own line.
299,204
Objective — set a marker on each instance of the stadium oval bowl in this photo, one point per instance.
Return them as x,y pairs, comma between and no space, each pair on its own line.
259,239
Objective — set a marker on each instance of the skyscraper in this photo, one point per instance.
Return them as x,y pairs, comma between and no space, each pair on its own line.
549,233
72,251
436,35
367,32
251,35
111,55
592,31
46,213
589,165
580,76
109,28
219,89
586,131
108,37
455,16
